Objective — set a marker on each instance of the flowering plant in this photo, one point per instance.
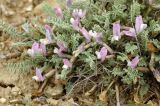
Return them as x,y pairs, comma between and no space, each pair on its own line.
99,40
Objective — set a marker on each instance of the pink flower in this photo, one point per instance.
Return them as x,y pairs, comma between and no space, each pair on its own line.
58,12
78,13
37,49
96,36
39,76
102,54
67,64
139,26
69,3
75,24
48,34
133,64
116,31
85,34
62,48
131,32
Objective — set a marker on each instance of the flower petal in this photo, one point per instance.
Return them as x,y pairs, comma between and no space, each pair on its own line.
133,64
43,48
35,46
78,13
138,23
103,53
48,33
85,34
58,12
130,33
67,63
62,46
75,24
116,31
99,38
39,74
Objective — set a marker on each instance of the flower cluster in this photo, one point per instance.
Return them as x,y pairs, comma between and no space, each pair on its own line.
61,49
129,31
37,49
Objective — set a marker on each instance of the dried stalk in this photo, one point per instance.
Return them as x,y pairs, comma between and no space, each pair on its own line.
117,95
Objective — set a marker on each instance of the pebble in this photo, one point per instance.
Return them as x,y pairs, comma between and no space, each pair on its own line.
52,101
3,100
15,91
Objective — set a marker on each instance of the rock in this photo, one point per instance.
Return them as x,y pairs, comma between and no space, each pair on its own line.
55,92
40,100
3,100
5,92
29,8
15,91
52,102
69,102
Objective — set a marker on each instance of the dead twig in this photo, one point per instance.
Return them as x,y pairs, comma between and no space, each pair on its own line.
117,95
11,55
108,48
47,76
143,69
77,52
90,92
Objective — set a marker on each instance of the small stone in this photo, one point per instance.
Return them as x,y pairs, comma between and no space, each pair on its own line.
15,91
52,101
29,8
3,100
55,92
58,89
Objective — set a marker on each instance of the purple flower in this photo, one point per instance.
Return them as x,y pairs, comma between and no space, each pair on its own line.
85,34
62,48
102,54
69,3
131,32
78,13
133,64
48,33
43,49
39,76
37,49
116,31
96,36
67,64
58,12
75,24
139,26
